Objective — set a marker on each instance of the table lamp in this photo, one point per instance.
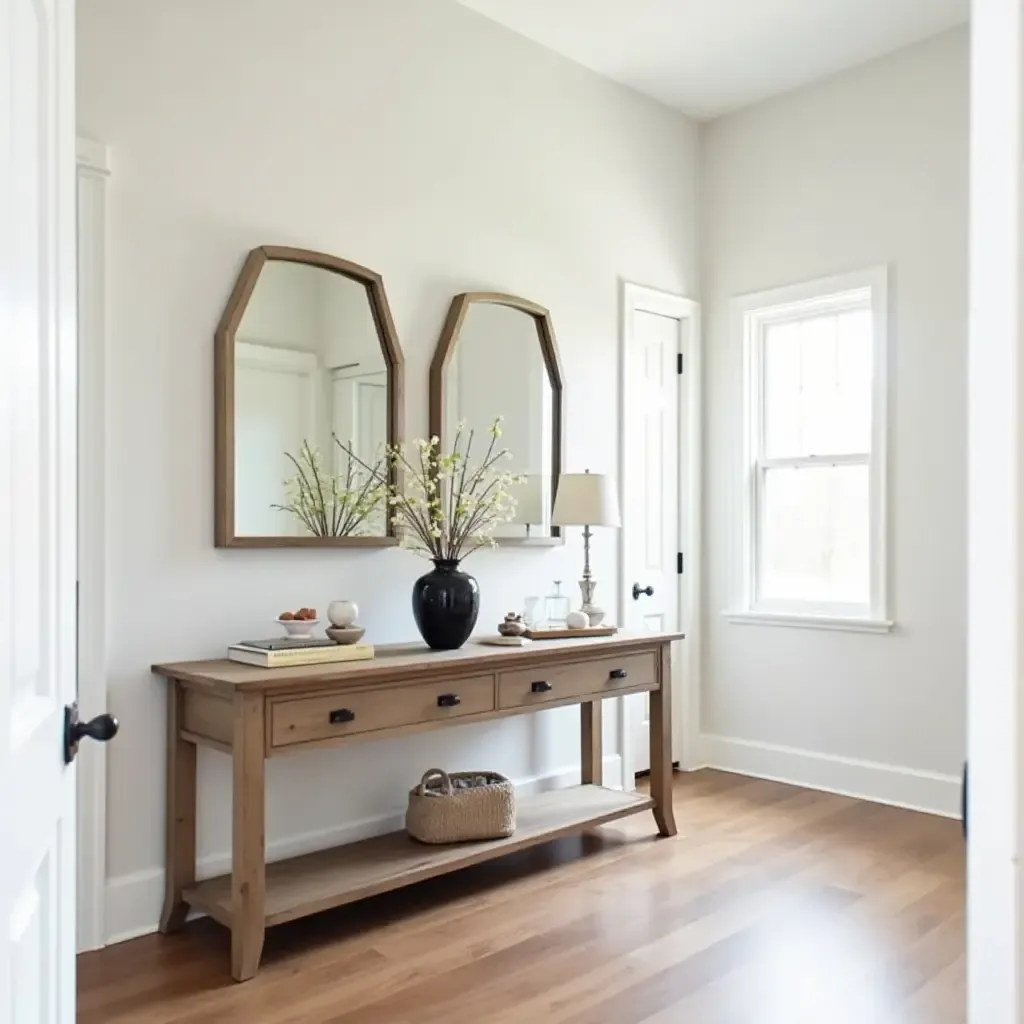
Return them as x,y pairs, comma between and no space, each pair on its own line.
586,499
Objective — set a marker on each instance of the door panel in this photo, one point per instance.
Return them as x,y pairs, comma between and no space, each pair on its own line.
656,334
38,433
651,492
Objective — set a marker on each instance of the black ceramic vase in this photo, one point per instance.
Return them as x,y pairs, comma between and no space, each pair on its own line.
445,604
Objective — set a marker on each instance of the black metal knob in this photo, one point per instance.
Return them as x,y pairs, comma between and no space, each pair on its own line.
618,673
102,728
448,700
638,590
541,686
342,715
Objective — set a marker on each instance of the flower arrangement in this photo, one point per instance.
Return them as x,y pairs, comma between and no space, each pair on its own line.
335,505
450,508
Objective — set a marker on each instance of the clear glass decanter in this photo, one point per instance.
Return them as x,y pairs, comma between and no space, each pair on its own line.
556,607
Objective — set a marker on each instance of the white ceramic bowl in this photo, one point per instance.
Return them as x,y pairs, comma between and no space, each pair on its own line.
299,627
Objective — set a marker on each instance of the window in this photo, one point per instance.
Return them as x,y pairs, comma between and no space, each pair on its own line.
815,404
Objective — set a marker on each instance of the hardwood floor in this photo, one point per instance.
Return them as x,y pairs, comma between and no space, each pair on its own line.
773,905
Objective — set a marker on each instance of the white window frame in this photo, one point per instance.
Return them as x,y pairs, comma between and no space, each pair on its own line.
752,314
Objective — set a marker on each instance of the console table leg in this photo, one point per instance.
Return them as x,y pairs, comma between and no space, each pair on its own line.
248,854
661,747
592,771
181,814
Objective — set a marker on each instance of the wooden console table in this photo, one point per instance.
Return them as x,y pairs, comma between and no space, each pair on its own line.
252,714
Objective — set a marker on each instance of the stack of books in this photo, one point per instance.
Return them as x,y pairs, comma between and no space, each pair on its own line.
288,652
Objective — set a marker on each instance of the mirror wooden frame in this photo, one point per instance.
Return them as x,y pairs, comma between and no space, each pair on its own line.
549,350
224,392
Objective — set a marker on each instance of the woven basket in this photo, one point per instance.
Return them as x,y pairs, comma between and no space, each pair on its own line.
462,806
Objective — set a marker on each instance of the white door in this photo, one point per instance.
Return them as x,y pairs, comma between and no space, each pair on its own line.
275,412
656,474
37,510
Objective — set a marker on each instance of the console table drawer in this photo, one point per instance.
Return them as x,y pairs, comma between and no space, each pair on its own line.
599,676
300,720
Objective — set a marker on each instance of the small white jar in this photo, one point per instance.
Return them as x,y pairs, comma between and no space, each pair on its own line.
343,613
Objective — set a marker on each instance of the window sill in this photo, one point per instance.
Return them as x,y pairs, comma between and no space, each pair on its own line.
799,620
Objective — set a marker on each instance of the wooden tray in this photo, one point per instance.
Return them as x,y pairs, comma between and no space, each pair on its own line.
564,633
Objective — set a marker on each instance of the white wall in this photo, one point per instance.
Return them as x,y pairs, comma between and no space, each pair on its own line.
865,168
285,308
417,139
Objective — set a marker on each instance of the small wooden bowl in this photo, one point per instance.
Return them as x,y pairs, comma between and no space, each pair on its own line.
345,634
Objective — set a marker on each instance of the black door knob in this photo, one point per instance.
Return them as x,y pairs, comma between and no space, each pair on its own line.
102,728
638,590
449,700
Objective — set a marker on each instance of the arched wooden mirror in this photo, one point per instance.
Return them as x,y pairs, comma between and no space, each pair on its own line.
497,357
308,395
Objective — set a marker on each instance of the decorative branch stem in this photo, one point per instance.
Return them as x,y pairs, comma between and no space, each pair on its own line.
450,507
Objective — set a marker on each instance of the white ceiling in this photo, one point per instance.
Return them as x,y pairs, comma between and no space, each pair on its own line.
706,57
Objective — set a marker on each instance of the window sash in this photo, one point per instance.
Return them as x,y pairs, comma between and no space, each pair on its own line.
842,609
850,302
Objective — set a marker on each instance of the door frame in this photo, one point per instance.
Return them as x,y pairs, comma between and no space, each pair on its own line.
92,172
995,560
686,671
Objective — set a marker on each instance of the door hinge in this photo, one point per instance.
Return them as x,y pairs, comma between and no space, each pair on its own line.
679,563
679,362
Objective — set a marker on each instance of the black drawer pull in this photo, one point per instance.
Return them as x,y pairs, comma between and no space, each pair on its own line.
448,700
342,715
618,673
541,686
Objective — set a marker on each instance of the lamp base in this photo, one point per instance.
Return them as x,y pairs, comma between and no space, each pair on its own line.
593,612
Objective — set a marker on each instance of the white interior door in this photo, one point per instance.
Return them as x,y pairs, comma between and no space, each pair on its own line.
37,510
275,411
657,332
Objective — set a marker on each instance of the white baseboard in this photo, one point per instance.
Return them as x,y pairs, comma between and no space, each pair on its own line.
868,780
133,901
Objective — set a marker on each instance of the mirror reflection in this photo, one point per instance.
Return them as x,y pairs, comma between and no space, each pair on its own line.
310,407
497,368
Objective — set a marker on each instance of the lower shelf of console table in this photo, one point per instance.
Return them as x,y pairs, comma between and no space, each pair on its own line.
254,715
331,878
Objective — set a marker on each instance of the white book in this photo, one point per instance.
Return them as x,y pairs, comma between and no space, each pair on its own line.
503,641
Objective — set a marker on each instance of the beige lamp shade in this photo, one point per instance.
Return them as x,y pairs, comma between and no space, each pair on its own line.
530,504
586,499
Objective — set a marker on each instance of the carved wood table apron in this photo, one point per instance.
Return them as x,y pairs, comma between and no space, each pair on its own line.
252,714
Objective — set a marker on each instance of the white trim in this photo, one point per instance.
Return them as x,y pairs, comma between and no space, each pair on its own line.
995,496
134,901
849,624
686,703
750,314
93,169
897,785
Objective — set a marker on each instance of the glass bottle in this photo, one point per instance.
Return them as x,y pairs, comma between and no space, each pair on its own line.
556,607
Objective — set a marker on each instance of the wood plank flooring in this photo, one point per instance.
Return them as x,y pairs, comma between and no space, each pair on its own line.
773,905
